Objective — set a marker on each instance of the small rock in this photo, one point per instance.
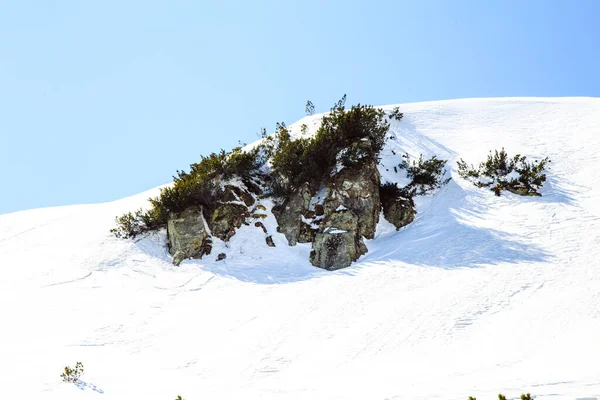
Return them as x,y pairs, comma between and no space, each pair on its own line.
221,256
261,225
270,242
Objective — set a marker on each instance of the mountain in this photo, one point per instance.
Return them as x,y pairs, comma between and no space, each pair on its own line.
479,295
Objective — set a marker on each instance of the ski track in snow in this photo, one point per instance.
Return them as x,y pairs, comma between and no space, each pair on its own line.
480,295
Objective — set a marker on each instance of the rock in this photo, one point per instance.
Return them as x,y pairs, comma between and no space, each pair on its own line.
400,212
260,225
270,242
289,216
336,250
357,189
188,235
350,212
252,186
226,218
221,256
234,193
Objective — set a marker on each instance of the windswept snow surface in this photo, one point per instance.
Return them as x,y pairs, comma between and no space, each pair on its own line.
480,295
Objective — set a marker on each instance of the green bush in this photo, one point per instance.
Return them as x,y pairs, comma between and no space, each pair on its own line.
426,175
396,114
345,137
501,397
72,374
200,186
501,172
526,397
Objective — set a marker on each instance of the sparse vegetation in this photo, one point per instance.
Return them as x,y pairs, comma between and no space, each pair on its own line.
396,114
344,138
72,374
526,397
501,172
501,397
426,175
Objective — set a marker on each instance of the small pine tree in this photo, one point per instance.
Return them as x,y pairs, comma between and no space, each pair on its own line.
72,374
526,397
501,397
179,398
472,398
310,108
396,114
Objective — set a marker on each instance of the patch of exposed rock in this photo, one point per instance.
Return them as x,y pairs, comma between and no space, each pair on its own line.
188,235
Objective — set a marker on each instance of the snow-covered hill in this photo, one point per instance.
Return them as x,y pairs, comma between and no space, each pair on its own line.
480,295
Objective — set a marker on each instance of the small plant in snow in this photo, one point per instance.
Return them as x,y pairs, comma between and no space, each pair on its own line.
426,175
179,398
501,397
501,172
472,398
396,114
72,374
526,397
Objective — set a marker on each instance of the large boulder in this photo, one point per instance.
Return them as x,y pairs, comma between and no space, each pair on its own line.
188,235
400,211
336,249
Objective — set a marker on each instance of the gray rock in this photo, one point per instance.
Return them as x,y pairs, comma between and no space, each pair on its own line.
357,189
226,218
269,240
336,250
289,216
221,256
350,212
188,235
400,212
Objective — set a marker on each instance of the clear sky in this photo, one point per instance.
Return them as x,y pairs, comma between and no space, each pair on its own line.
104,99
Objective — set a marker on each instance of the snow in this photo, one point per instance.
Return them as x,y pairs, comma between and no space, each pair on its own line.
480,295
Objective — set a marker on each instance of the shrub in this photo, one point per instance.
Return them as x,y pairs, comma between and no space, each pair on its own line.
396,114
472,398
345,137
501,397
426,175
526,397
200,186
310,108
500,172
130,225
72,374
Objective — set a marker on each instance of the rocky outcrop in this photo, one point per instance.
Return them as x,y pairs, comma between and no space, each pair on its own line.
188,235
350,212
291,216
226,218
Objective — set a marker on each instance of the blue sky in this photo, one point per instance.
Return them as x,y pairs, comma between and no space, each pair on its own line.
101,100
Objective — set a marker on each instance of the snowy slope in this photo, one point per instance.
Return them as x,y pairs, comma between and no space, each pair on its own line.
480,295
